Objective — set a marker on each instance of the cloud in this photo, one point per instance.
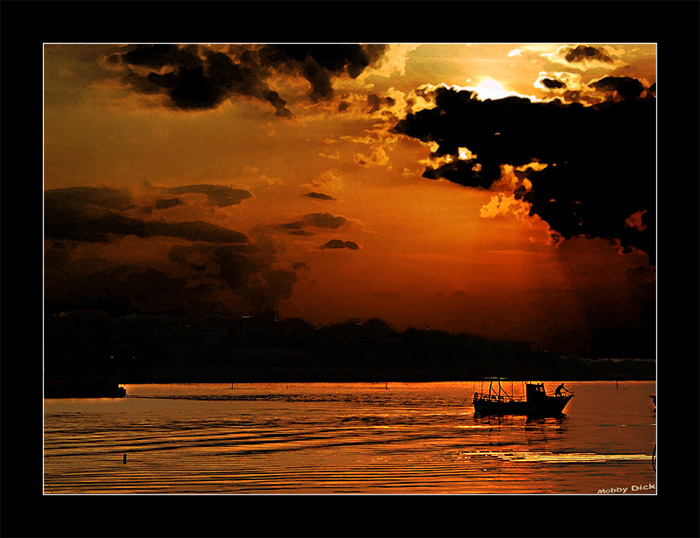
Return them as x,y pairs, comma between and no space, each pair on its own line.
316,220
583,53
553,84
568,87
572,88
91,214
319,196
601,159
378,157
194,77
635,220
79,197
329,180
624,87
217,195
99,257
585,57
502,204
338,244
246,270
319,63
194,281
394,60
375,102
199,77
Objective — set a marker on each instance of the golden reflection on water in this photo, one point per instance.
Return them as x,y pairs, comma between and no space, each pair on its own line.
343,438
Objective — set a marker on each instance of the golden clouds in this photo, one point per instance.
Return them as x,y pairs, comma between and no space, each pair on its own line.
378,157
329,180
571,87
502,204
393,61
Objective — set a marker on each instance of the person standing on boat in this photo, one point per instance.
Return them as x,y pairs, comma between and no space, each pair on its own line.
558,390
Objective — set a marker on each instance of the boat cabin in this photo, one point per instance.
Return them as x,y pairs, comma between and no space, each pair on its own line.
535,392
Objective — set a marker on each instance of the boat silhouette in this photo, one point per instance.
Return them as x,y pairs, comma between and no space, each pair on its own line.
535,403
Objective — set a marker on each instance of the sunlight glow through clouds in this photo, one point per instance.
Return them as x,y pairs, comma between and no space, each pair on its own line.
489,88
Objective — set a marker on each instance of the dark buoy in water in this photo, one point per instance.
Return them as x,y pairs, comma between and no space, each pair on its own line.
124,459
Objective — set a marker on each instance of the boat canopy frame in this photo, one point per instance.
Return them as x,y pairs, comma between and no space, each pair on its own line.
499,394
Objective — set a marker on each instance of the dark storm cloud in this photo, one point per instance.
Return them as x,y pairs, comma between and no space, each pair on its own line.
86,214
157,56
553,84
318,196
194,80
585,52
338,244
625,87
218,195
196,77
319,63
601,159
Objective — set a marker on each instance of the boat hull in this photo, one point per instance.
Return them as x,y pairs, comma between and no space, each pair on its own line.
549,406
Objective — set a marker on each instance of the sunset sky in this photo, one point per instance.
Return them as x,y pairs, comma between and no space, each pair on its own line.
505,190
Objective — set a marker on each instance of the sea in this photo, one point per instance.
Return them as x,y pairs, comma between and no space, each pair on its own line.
348,439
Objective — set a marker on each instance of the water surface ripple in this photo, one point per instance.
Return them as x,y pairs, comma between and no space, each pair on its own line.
345,438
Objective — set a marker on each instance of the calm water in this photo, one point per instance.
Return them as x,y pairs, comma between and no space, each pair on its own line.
346,438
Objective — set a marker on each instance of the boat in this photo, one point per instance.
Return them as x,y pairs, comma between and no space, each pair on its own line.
535,403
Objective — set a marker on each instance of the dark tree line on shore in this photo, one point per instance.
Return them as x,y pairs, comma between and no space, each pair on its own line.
135,349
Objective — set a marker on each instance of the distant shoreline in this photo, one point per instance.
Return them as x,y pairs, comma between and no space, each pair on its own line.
357,378
151,349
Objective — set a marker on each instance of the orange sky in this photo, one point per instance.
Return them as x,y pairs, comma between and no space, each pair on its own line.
416,251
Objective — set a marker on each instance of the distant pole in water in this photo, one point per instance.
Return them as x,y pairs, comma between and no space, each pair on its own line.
124,459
